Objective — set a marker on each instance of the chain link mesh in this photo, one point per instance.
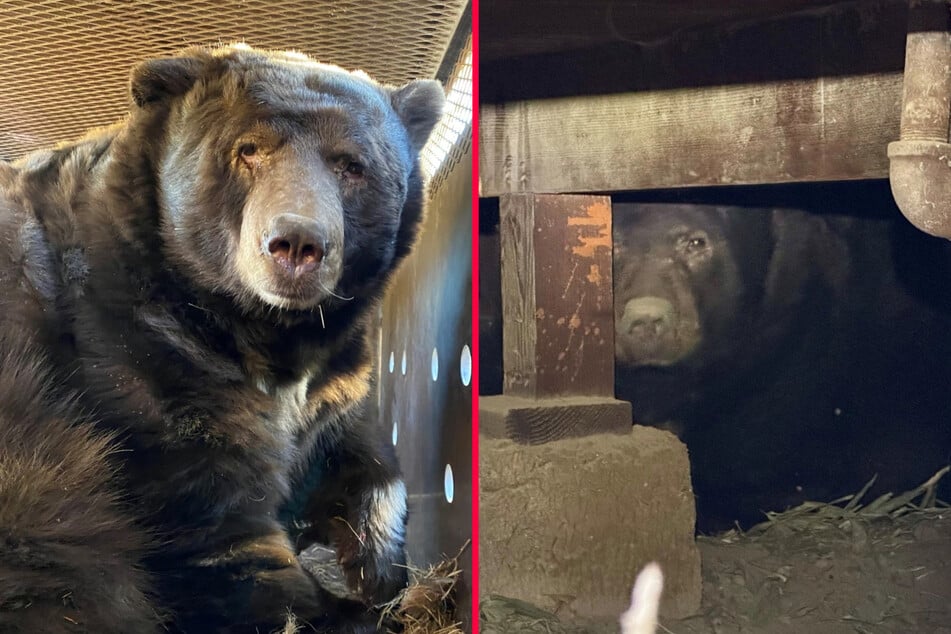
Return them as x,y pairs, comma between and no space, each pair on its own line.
64,64
452,137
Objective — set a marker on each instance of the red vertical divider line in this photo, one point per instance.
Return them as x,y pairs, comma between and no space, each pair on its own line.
475,317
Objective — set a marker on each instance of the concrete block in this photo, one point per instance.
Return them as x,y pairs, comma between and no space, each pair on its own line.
567,525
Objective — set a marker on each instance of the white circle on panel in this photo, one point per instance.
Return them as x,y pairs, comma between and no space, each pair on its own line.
395,433
435,364
392,363
465,365
403,363
448,484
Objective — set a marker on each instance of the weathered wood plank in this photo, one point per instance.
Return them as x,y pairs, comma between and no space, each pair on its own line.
827,128
557,296
538,421
516,223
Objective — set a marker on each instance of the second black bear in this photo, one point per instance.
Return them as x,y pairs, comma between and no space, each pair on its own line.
796,342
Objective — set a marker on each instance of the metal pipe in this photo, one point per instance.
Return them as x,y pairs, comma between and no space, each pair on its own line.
920,163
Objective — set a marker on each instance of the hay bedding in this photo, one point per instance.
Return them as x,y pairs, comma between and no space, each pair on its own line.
844,567
426,606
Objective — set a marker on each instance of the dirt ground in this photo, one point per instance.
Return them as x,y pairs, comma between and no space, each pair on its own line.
856,575
818,569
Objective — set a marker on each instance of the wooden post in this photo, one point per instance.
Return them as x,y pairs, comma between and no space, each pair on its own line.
558,320
558,386
557,299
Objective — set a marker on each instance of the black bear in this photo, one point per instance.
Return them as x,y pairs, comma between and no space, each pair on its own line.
796,342
185,303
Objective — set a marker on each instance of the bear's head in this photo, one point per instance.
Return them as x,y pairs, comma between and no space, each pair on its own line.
675,282
710,285
281,182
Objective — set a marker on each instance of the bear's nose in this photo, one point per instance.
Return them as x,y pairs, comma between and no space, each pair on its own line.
647,316
295,243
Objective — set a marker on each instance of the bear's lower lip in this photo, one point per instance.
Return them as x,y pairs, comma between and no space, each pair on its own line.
281,298
652,352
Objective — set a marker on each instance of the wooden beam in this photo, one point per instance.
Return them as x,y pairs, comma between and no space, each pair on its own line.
815,129
557,296
510,29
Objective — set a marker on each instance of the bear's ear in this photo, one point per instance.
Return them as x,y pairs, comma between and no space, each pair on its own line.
158,79
419,105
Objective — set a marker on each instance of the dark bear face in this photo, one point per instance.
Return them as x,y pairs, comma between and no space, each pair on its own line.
283,182
672,273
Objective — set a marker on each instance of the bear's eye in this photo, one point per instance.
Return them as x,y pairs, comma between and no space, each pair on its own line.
249,155
696,243
353,169
694,246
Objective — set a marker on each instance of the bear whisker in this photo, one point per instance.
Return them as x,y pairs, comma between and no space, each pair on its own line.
331,293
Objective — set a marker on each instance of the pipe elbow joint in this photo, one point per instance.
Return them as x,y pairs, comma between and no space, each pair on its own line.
920,176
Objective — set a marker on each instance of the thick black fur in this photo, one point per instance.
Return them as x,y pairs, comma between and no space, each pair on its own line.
167,398
823,356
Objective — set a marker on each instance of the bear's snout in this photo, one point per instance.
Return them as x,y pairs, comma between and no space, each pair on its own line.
653,331
295,243
648,318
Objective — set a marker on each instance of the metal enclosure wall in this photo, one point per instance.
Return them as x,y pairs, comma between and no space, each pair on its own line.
425,389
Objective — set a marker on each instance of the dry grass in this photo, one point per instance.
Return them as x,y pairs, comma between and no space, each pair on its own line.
290,627
428,604
864,566
849,509
818,524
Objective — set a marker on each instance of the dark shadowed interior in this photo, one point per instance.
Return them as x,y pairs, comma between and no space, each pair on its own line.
823,354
